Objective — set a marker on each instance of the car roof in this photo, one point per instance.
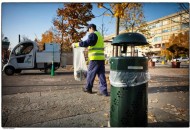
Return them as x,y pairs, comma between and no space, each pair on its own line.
155,56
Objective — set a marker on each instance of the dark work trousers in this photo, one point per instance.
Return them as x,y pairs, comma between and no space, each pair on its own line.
96,67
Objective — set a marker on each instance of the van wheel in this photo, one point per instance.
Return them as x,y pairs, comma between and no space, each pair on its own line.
9,70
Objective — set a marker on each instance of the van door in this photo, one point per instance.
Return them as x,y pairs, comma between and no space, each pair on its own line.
24,55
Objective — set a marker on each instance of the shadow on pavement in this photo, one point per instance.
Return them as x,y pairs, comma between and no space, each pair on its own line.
169,124
56,73
160,79
168,89
166,118
64,73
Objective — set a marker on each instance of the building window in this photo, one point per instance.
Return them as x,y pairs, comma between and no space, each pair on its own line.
152,33
166,37
166,30
163,45
184,25
152,26
157,39
176,19
165,22
185,17
159,24
174,28
158,31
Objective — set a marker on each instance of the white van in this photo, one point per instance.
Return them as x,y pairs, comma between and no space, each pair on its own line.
26,56
157,59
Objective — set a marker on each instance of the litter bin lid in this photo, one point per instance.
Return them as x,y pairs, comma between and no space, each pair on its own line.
127,39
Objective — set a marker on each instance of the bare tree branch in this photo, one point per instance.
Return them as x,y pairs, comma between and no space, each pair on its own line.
184,8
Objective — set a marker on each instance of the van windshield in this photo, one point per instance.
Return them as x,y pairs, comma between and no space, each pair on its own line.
23,49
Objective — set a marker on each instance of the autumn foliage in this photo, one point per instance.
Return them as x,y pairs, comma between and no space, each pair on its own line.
72,19
134,19
69,26
177,45
71,22
48,37
119,9
131,16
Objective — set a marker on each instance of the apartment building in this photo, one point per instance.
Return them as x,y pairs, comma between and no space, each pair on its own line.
160,30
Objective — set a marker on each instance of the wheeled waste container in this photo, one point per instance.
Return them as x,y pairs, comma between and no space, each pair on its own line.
129,82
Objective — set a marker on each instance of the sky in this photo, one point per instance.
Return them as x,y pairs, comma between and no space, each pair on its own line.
33,19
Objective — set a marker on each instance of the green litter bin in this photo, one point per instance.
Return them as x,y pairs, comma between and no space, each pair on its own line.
129,81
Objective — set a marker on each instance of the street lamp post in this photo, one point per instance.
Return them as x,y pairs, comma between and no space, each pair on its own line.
52,66
117,32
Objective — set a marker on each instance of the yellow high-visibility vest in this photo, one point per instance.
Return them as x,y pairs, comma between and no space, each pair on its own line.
96,52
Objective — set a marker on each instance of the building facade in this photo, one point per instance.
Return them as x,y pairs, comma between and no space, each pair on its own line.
160,30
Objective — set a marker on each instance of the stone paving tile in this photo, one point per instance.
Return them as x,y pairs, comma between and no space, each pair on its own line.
84,120
30,108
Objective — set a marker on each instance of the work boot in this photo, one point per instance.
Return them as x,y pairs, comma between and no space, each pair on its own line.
87,91
103,94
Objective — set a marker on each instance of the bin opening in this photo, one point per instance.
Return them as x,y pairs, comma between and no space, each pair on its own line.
124,44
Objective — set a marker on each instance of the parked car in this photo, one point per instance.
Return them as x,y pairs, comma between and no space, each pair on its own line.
182,59
157,59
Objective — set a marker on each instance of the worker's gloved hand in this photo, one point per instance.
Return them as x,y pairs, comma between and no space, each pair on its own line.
74,45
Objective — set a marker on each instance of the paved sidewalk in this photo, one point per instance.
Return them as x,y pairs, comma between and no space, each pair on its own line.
34,99
168,97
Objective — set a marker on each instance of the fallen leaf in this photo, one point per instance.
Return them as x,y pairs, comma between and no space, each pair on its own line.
177,113
154,101
179,119
106,114
179,97
174,109
152,117
102,126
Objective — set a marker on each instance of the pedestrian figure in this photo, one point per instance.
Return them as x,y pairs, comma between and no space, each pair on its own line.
96,57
